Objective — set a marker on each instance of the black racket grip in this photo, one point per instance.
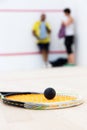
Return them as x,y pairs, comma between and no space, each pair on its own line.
5,93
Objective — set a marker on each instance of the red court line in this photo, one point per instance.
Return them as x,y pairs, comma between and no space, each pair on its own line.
31,10
29,53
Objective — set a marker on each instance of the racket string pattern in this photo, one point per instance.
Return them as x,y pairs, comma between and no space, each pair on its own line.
37,101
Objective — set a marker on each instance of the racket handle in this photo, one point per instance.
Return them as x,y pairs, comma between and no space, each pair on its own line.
4,93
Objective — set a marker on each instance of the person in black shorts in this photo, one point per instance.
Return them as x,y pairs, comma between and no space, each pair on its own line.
69,35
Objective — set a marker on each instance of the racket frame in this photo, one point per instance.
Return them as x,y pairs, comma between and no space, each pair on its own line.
42,106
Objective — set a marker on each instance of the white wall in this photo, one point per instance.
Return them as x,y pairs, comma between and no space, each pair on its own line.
82,32
36,4
15,31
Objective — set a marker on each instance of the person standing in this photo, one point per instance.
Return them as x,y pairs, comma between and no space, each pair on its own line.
42,30
69,35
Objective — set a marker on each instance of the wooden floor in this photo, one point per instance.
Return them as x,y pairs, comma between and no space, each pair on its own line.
62,79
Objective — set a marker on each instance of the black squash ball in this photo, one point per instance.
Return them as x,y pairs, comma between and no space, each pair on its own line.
49,93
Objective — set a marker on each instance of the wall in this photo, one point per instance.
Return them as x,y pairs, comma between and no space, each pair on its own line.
18,50
82,32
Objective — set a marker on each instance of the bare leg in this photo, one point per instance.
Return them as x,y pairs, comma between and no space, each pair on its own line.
45,55
45,58
71,59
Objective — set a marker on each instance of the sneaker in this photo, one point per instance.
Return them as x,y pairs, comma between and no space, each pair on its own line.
69,65
48,65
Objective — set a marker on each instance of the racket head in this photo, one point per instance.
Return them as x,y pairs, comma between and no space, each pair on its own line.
75,101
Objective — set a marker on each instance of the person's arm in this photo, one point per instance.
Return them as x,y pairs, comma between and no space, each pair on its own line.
68,22
34,34
34,31
48,28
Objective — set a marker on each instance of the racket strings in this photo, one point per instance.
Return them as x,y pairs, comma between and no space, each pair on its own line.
39,98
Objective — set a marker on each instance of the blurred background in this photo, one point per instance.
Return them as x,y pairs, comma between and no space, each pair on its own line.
18,50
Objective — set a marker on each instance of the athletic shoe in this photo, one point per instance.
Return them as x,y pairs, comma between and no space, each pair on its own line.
48,65
72,65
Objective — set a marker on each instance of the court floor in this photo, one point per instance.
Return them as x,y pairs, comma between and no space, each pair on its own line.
71,79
